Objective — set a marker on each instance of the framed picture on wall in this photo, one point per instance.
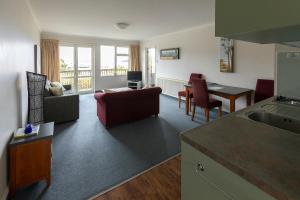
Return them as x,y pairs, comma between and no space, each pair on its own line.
226,55
169,54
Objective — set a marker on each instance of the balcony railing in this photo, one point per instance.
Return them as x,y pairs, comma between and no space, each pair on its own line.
84,79
67,77
112,72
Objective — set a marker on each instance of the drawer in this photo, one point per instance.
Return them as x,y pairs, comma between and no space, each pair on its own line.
223,178
194,186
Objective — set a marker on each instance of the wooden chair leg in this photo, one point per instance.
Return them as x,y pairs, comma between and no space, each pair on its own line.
220,111
207,114
193,113
179,101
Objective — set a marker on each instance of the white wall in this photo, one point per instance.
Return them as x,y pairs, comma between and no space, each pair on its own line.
100,82
18,34
199,52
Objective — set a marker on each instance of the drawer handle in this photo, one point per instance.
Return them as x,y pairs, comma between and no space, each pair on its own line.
199,167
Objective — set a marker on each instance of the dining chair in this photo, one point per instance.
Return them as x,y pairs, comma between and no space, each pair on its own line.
201,98
264,89
183,93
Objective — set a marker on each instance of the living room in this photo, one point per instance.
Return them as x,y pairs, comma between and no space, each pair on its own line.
141,97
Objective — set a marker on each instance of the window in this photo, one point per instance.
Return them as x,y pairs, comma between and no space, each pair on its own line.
78,74
67,67
114,60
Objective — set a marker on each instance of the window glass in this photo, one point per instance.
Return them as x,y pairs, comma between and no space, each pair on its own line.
122,65
107,59
122,50
66,57
84,58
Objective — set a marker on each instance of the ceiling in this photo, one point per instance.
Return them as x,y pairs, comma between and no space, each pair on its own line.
147,18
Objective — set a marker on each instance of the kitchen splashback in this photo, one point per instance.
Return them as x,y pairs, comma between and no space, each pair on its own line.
288,74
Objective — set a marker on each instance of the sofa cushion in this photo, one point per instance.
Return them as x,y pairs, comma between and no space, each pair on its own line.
56,91
57,84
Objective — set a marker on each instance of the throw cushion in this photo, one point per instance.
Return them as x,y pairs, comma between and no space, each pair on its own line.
48,85
56,91
57,84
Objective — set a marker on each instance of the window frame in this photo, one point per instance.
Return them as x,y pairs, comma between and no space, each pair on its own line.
115,59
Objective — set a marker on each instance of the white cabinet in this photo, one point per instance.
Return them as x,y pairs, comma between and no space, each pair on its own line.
197,187
204,179
266,21
134,84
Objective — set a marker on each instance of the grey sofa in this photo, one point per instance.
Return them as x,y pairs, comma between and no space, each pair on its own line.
59,109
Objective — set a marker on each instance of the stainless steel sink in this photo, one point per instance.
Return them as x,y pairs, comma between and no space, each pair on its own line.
276,120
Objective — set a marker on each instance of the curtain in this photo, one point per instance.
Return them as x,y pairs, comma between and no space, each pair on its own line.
134,61
50,59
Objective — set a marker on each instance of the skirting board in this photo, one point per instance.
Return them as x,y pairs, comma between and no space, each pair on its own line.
143,172
5,194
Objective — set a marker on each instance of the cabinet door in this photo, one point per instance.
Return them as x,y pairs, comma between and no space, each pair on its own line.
194,186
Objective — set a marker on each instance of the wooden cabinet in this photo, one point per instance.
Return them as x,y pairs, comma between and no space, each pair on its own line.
203,178
259,21
30,159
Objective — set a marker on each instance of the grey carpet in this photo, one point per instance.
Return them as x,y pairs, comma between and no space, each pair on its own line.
88,159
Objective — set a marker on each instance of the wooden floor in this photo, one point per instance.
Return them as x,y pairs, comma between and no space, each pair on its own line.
161,182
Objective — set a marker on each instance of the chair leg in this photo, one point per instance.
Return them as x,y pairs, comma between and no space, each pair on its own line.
220,111
179,101
207,114
193,113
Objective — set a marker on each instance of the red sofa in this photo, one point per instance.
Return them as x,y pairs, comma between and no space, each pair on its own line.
119,107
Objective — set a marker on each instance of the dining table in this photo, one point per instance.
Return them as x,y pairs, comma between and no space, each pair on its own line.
224,91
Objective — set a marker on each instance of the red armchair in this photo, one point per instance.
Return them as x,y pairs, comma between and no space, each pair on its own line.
120,107
183,93
201,98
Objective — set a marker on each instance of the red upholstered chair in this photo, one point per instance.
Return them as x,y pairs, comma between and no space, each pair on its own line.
264,89
183,93
201,98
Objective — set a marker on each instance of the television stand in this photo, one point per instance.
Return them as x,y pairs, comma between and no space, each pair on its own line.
134,84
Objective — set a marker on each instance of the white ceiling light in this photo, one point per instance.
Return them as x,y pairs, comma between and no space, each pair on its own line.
121,25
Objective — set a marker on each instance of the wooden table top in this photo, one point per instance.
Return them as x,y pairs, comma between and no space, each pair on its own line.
215,87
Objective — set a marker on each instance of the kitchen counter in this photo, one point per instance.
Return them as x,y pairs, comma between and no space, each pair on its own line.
266,156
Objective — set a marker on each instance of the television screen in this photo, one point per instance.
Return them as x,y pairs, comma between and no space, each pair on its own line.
134,75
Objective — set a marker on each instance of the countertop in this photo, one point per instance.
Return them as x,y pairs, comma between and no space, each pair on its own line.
266,156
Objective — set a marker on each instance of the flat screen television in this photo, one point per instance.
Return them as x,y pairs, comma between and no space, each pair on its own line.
134,76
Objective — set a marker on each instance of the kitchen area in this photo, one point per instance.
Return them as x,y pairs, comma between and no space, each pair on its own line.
253,153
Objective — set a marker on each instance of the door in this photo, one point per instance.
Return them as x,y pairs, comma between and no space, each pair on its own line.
77,67
150,66
85,75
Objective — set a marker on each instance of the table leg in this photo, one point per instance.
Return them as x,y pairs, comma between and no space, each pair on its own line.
187,101
232,104
249,98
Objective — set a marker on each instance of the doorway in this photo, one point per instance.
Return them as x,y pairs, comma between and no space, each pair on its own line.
77,67
150,66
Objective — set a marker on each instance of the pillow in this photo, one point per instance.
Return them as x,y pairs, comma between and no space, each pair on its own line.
57,84
48,85
56,91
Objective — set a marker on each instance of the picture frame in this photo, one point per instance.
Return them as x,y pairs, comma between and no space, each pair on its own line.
169,54
226,55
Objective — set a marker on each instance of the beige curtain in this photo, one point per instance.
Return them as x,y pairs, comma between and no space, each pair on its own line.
50,59
134,61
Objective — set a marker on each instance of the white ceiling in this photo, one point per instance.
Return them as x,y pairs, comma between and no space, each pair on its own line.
147,18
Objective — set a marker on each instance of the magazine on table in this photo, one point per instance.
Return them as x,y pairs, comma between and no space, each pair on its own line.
20,133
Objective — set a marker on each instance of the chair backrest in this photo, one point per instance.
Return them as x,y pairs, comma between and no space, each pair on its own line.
264,89
200,92
194,75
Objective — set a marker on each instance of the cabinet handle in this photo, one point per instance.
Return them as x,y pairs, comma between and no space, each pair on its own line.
199,167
